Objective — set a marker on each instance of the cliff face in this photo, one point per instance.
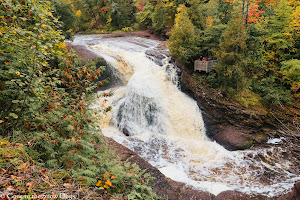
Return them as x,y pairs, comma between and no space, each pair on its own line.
229,123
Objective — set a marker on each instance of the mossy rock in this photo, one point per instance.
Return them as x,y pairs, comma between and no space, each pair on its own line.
61,175
260,138
10,150
81,180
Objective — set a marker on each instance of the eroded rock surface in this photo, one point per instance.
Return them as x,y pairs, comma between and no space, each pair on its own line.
163,186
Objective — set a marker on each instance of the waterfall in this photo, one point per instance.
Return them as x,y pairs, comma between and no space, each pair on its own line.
166,128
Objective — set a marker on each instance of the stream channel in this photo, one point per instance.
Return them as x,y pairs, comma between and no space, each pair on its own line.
165,126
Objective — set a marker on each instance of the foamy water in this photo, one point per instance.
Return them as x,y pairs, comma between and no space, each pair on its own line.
166,126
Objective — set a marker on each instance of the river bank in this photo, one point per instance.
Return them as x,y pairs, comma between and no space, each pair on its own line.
172,188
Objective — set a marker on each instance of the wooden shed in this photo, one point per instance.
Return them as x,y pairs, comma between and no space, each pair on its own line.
206,66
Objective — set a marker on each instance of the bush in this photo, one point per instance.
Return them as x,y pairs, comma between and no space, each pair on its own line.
183,39
271,91
290,71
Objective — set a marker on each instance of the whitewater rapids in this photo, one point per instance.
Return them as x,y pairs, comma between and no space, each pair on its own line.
166,128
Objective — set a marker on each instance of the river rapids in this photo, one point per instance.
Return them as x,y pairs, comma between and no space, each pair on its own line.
165,126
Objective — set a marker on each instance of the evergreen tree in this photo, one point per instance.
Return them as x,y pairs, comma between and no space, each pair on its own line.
231,54
121,13
183,38
278,40
144,17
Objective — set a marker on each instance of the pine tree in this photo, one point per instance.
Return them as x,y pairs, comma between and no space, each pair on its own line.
183,40
231,54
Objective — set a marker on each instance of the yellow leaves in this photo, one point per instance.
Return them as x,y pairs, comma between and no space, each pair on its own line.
45,63
108,182
61,45
295,86
295,24
1,121
180,7
78,13
43,25
98,183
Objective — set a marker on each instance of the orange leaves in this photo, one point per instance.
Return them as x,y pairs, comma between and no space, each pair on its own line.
209,21
108,183
105,182
55,95
30,185
27,126
112,177
3,143
140,7
271,3
103,9
50,106
67,185
43,172
254,13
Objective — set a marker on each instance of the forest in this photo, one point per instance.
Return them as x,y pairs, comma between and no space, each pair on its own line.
49,136
255,42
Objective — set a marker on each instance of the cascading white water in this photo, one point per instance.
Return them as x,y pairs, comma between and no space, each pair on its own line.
166,126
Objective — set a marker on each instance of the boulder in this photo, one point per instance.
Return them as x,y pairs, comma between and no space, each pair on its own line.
235,195
232,139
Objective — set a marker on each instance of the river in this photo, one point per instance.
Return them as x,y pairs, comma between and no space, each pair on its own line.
165,126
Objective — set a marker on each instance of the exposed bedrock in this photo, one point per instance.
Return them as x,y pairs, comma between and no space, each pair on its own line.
231,125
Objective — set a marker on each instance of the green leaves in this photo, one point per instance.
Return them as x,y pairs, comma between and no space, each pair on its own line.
13,115
183,40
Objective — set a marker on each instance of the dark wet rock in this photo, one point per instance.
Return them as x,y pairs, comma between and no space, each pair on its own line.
163,186
232,139
126,132
82,52
294,194
235,195
155,56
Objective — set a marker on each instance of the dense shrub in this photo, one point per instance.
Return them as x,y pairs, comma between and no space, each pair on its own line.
45,95
291,75
271,91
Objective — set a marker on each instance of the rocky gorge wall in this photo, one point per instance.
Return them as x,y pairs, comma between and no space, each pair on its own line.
229,123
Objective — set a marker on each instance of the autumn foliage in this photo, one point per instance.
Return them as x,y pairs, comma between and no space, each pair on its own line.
45,94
